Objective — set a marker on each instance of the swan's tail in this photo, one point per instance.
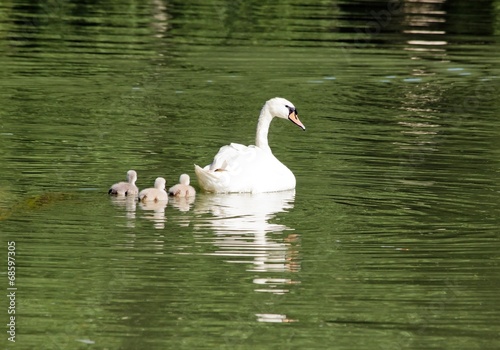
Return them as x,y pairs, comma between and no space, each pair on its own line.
209,181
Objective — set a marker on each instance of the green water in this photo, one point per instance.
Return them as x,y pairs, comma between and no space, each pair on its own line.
390,240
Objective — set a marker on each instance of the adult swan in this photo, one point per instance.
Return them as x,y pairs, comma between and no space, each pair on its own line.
239,168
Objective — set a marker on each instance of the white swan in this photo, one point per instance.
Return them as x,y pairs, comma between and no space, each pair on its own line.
126,188
239,168
182,189
155,194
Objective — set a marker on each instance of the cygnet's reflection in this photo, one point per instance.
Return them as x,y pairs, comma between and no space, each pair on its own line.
182,203
155,211
129,204
243,229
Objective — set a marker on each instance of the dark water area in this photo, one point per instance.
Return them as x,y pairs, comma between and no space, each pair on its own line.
389,241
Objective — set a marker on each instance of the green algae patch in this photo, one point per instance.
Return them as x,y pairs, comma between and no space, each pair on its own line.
36,202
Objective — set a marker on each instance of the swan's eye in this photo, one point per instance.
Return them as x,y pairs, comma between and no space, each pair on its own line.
291,110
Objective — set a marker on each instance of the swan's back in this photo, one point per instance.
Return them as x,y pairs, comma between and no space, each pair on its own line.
238,168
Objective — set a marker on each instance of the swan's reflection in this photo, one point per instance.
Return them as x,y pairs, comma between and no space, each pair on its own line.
244,233
246,213
274,318
243,229
158,212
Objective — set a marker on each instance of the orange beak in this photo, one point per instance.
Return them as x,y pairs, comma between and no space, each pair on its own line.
294,118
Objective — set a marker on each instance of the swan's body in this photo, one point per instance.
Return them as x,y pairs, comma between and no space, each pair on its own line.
182,189
155,194
126,188
239,168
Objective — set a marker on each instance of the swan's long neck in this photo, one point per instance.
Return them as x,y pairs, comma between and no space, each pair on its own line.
263,125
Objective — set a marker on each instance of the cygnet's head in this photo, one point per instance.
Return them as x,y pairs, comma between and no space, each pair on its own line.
184,179
160,183
282,108
131,176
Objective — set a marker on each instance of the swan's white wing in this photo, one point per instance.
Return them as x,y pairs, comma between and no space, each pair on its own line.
239,168
230,156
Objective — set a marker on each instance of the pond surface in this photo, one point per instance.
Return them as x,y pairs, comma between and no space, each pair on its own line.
389,241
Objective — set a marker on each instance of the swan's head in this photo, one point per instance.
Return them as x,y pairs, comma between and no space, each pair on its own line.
131,176
184,179
160,183
282,108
